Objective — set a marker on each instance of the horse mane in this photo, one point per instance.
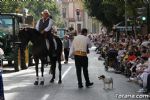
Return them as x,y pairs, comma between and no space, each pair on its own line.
31,31
33,35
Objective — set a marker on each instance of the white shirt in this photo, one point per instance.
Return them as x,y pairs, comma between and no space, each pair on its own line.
80,43
121,52
1,51
47,28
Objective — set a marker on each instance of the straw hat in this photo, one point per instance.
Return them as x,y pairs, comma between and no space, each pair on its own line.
42,13
46,11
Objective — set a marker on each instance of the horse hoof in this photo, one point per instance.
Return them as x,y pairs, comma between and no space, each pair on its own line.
42,83
59,82
52,81
36,83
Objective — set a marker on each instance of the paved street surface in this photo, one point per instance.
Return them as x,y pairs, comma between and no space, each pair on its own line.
19,85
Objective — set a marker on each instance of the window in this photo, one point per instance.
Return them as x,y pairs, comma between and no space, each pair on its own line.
6,25
64,12
79,27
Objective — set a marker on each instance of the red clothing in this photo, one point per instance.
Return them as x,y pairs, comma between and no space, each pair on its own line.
131,57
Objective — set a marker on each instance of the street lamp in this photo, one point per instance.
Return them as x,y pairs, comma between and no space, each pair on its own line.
147,2
78,13
125,17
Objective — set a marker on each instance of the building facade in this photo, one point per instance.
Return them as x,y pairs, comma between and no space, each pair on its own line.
75,16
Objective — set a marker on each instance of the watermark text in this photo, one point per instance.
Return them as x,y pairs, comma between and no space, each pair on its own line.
132,96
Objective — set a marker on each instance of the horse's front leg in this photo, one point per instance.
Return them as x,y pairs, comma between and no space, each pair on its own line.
53,68
43,62
59,67
37,71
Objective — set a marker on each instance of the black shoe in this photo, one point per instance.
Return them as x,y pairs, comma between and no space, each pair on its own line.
89,84
36,82
52,81
66,62
80,86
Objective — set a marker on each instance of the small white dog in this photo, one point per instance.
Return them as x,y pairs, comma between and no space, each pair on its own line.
106,80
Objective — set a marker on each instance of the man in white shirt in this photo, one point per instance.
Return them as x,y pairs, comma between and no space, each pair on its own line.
79,48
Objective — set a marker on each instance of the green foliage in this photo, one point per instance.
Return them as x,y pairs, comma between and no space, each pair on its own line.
94,8
104,12
8,6
110,12
35,7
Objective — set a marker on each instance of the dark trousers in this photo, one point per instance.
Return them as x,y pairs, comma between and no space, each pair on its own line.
81,63
66,52
1,88
50,38
148,83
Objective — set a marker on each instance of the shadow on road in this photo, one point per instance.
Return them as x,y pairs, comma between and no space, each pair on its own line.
8,71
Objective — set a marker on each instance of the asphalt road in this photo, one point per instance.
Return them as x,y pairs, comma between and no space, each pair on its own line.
19,85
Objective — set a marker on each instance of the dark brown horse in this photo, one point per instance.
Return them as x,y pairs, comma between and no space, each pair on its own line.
40,52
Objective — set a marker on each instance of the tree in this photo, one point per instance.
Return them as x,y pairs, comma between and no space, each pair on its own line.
104,12
110,12
35,7
131,10
94,8
8,6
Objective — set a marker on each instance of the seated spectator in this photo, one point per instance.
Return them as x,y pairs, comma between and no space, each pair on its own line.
131,57
137,51
143,77
145,55
112,57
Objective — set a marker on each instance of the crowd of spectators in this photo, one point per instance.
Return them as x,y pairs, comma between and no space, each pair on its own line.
128,55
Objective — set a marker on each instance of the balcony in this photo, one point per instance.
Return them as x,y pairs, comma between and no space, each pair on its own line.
79,18
71,19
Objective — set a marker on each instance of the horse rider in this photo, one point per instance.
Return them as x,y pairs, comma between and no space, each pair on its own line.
44,26
79,50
